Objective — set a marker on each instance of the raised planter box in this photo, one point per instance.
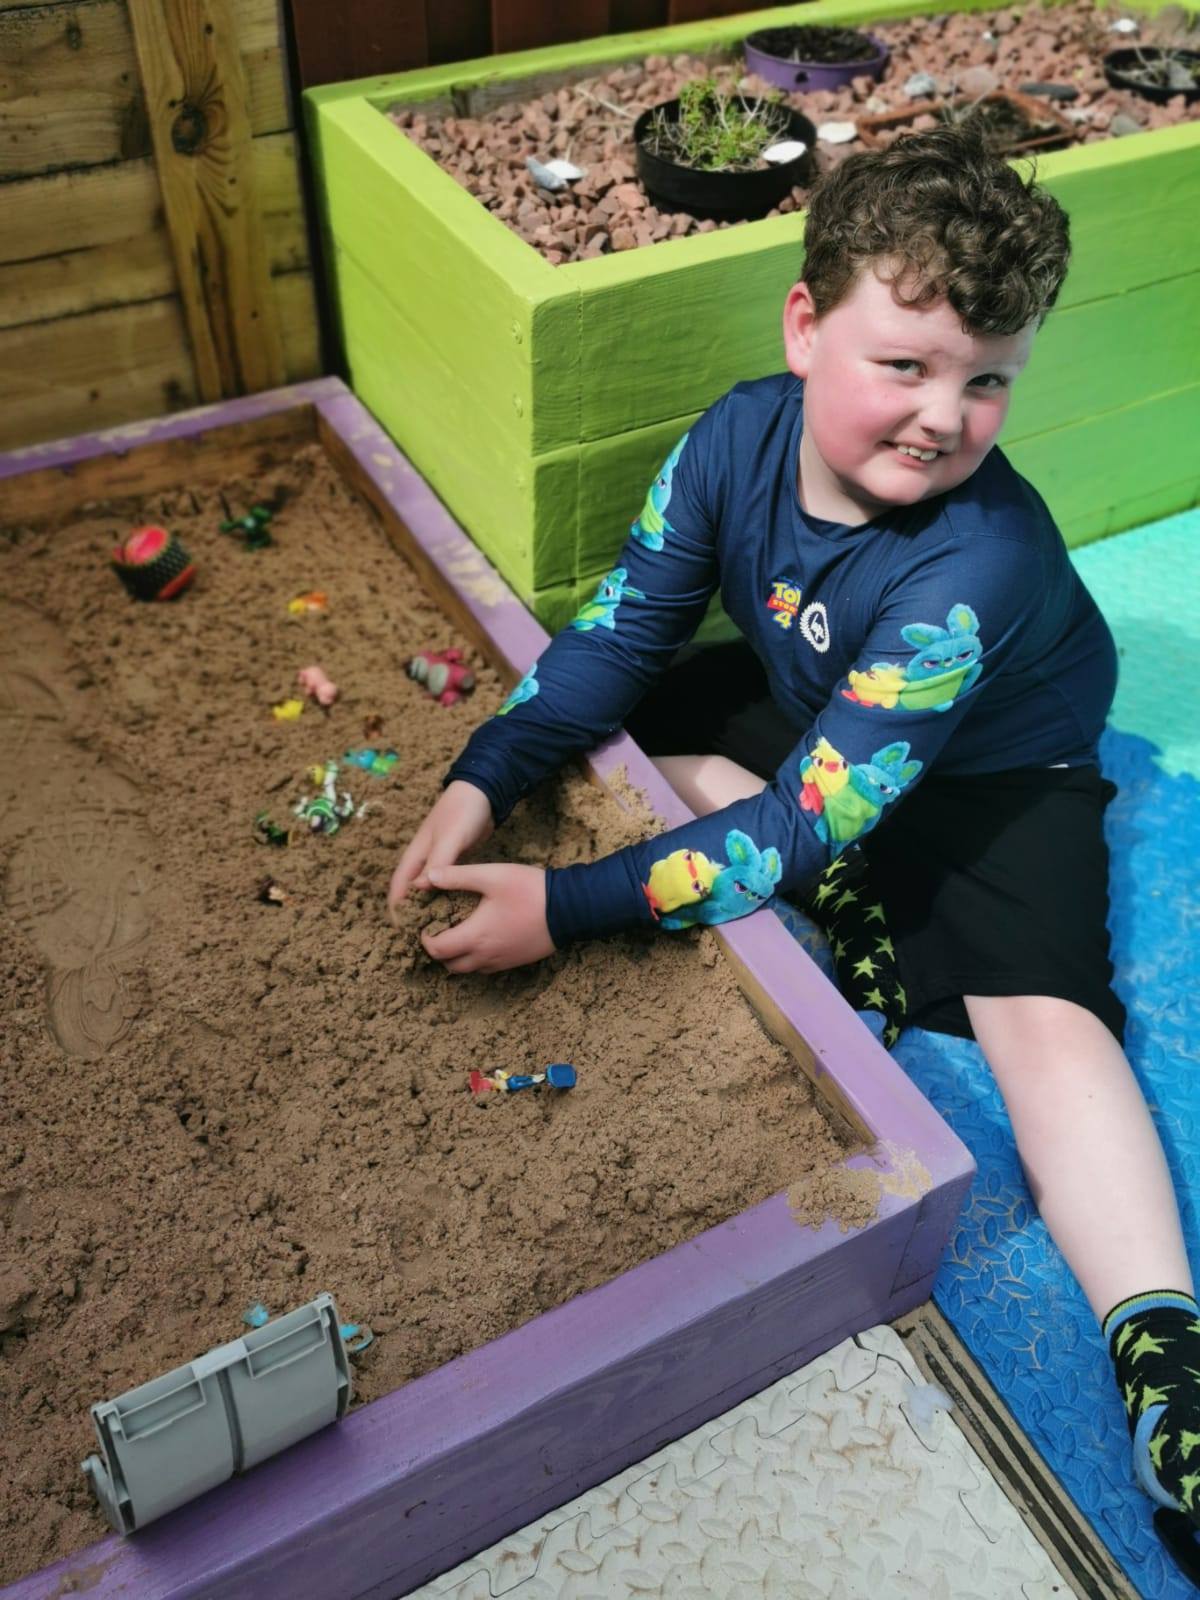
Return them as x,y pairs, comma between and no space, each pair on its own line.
409,1485
538,401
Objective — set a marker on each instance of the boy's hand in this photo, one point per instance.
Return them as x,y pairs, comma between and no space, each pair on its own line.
462,817
506,929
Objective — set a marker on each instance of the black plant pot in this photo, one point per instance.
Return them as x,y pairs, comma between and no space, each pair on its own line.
723,196
1117,65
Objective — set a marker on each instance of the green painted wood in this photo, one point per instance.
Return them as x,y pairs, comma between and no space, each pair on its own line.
1091,472
1107,354
670,334
1136,511
614,475
1133,205
486,485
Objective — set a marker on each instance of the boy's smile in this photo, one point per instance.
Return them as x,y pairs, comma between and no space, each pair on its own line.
900,403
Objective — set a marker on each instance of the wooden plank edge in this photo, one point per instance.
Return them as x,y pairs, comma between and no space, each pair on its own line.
68,456
693,1330
1012,1459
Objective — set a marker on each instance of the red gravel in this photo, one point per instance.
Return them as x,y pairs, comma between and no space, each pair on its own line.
590,122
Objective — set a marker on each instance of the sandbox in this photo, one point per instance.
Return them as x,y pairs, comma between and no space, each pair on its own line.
435,1468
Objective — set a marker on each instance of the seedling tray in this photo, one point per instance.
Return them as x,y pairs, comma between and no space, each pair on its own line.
571,384
409,1485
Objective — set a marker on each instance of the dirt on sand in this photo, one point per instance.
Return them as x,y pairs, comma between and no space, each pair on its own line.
208,1099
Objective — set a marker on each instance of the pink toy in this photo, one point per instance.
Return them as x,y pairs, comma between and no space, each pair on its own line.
317,686
442,675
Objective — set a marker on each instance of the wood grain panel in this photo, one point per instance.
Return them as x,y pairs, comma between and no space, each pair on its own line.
358,38
526,24
196,98
124,363
119,251
70,94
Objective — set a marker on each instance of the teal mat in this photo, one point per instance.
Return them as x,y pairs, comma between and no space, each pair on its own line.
1147,583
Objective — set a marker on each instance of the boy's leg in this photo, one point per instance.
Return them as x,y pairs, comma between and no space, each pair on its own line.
1098,1173
1089,1148
707,783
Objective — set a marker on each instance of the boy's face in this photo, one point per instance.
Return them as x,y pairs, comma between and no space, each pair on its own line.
878,374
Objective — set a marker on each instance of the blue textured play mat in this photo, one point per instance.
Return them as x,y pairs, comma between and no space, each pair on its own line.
1003,1286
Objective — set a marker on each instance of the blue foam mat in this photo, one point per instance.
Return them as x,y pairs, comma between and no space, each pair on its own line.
1003,1285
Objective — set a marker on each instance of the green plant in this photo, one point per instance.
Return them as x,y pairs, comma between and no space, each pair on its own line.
716,132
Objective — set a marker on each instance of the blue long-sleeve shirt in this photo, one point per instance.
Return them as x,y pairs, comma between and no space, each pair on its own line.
954,633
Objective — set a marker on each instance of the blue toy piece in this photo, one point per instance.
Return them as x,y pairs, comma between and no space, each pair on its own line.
560,1076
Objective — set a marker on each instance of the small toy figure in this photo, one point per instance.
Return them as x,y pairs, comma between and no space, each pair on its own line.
153,565
326,812
378,763
253,527
442,675
559,1076
268,832
288,710
304,605
317,686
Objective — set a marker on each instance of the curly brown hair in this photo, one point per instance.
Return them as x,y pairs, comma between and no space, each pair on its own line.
947,219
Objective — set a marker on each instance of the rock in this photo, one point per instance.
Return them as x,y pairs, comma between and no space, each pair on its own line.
978,80
925,123
837,132
629,195
920,86
623,239
1123,124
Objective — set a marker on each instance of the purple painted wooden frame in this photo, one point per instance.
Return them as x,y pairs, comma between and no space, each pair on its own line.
410,1485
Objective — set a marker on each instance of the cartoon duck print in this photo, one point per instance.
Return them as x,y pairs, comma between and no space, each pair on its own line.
679,879
946,665
822,773
600,611
650,526
857,805
879,685
747,883
525,690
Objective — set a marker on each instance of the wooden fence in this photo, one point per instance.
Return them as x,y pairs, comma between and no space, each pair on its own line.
363,38
153,245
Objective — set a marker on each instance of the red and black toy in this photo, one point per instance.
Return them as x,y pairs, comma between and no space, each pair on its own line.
153,565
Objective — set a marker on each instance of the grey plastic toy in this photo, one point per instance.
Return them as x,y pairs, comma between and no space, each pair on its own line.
171,1439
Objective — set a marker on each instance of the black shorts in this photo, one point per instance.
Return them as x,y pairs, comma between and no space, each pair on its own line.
992,884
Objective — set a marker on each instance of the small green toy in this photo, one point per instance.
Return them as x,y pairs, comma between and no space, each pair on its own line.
253,527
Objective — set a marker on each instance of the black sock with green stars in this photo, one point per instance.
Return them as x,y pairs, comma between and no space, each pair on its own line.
841,902
1154,1342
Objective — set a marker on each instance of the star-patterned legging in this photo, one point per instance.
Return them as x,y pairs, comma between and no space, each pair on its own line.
841,902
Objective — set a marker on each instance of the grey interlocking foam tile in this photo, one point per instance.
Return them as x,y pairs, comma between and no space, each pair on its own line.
832,1484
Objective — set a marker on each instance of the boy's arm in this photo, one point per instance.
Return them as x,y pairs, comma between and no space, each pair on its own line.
590,676
937,642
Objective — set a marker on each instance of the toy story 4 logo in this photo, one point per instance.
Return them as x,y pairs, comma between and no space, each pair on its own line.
813,621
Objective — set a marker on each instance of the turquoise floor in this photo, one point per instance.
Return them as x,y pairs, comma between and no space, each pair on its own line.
1003,1285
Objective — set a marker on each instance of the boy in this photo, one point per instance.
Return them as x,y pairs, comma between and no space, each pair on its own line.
907,732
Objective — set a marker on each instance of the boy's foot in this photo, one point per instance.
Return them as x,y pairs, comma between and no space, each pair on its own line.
1154,1341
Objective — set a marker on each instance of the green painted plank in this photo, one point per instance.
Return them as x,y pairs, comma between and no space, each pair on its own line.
510,331
1138,510
1133,205
1090,473
509,326
668,335
614,475
1119,351
485,487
